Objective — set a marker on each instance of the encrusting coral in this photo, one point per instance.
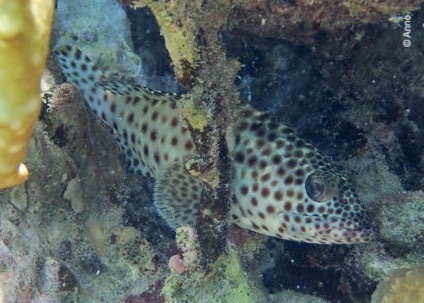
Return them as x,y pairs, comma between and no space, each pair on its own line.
24,39
404,285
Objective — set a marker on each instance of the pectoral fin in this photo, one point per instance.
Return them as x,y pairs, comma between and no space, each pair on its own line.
177,196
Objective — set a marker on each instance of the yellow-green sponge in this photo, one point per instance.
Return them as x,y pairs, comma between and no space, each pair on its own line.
25,27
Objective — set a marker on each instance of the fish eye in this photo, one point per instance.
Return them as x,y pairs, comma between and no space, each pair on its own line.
320,188
315,188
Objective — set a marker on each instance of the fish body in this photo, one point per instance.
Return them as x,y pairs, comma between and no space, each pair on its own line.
281,186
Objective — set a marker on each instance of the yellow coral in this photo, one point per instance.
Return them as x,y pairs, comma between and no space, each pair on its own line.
25,27
179,39
402,286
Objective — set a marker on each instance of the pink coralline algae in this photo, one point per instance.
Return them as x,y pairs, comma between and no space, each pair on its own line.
176,264
189,251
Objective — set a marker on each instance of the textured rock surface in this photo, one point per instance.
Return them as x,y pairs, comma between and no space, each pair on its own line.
103,28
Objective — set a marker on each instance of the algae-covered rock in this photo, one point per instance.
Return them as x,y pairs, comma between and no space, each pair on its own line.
402,226
73,256
226,281
291,296
78,23
402,286
179,37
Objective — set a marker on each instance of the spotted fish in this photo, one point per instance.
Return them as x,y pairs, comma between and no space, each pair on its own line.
281,186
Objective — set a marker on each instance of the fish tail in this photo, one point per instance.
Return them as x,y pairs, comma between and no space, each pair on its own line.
84,73
77,67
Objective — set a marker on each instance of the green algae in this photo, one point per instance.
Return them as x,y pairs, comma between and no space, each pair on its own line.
195,115
226,281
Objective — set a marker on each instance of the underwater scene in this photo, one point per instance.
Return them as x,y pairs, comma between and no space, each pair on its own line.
211,151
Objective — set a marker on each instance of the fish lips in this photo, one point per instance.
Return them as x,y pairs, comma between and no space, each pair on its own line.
361,232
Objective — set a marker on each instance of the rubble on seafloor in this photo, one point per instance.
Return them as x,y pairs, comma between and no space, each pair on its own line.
82,229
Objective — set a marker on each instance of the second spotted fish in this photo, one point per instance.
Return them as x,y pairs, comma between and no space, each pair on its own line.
281,185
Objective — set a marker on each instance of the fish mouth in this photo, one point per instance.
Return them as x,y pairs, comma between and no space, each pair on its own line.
362,228
360,232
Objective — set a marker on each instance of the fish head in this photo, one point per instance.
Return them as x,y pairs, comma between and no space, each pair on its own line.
329,212
284,187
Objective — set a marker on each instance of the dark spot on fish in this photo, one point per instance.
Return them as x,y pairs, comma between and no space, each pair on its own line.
288,180
321,209
288,206
263,164
278,195
266,152
239,157
189,145
136,100
300,208
281,171
145,109
291,163
144,127
265,192
155,116
153,135
290,193
156,157
244,190
252,160
270,209
276,159
146,150
130,118
255,126
298,181
78,54
298,153
272,136
265,177
255,226
174,122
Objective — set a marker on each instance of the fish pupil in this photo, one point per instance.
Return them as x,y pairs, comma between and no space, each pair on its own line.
315,188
